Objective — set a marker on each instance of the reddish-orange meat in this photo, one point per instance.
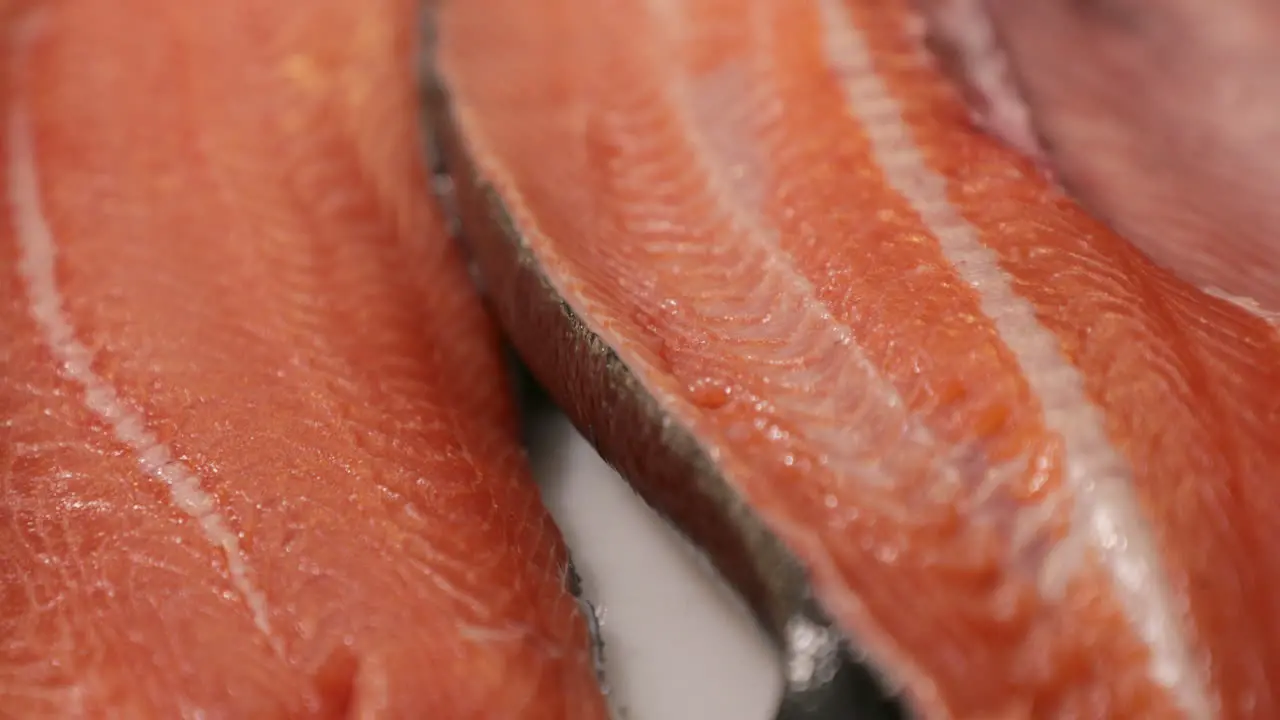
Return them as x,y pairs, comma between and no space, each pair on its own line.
257,454
1029,473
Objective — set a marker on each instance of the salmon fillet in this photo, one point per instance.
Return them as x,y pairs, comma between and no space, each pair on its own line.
257,453
1155,128
869,359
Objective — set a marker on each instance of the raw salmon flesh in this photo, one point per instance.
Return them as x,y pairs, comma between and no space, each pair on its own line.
257,453
901,389
1156,126
966,452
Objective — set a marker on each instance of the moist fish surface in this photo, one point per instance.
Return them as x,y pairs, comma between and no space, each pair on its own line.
1150,113
258,457
890,379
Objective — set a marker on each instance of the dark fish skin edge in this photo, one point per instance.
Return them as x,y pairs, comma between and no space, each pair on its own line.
661,460
532,401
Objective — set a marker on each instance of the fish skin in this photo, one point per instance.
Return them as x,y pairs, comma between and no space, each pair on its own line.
258,454
618,416
1024,468
1155,127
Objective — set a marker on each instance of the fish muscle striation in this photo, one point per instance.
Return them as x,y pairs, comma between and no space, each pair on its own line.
258,458
869,358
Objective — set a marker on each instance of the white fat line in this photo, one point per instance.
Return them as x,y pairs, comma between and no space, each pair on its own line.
690,103
36,266
1249,305
1107,512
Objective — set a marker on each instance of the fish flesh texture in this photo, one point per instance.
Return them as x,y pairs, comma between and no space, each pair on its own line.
258,457
895,384
1155,125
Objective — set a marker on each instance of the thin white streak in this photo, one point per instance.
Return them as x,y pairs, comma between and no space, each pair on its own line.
738,206
1106,510
1249,305
37,261
701,105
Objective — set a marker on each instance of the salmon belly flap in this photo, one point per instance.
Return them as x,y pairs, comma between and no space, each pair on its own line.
258,457
1027,473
